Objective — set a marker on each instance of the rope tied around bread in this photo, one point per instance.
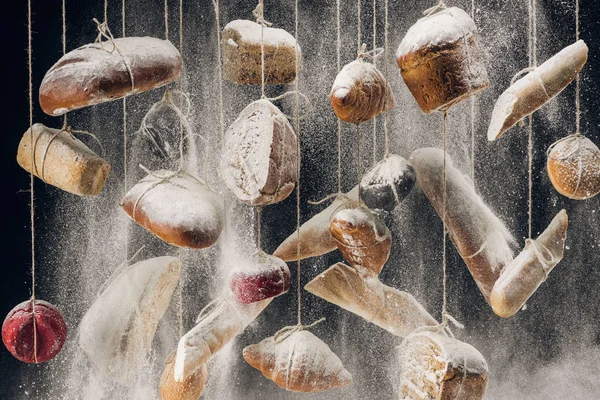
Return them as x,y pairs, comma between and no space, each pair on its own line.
528,70
288,331
577,153
437,8
546,263
104,32
371,54
209,308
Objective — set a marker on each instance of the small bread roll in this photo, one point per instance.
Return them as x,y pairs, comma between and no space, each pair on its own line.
242,54
574,167
300,362
521,278
63,161
440,60
190,389
92,74
434,366
363,239
385,185
360,92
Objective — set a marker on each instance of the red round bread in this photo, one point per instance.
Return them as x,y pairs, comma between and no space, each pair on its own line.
94,74
18,334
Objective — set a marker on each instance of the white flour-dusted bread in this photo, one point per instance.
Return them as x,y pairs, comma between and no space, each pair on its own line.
315,239
521,278
177,208
190,389
215,328
574,167
393,310
242,54
63,161
91,75
434,366
440,60
387,183
537,88
117,331
260,162
360,92
363,239
300,362
480,237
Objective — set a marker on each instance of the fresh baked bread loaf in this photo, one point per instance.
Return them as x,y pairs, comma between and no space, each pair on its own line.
242,54
299,362
480,237
434,366
315,238
62,160
385,185
177,208
397,312
260,162
96,73
440,60
574,167
190,389
360,92
259,277
363,239
521,278
537,88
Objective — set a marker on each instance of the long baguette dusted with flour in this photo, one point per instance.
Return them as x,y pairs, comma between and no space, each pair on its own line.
117,330
537,88
215,328
315,239
435,366
480,237
62,160
100,72
393,310
521,278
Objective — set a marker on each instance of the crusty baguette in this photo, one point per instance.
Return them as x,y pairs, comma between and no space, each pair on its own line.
440,60
190,389
480,237
434,366
538,87
178,209
242,54
521,278
63,161
393,310
91,75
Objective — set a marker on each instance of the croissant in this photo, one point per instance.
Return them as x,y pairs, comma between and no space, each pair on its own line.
190,389
574,167
435,366
360,92
300,362
215,328
117,331
521,278
315,239
363,239
385,185
397,312
537,88
480,237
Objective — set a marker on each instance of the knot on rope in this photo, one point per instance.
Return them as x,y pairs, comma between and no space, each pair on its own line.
259,14
438,7
288,331
372,54
104,32
445,326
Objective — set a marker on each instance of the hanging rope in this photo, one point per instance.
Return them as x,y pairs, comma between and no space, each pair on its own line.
358,158
577,89
375,64
31,180
258,211
259,14
106,11
385,117
532,64
220,69
125,184
361,53
444,200
64,42
473,116
358,40
182,162
339,122
298,269
167,19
